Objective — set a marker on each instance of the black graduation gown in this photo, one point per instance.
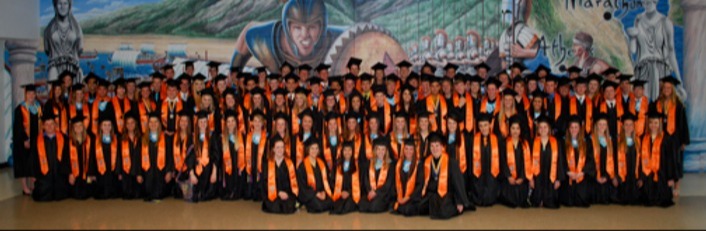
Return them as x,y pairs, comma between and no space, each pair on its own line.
249,184
54,185
411,208
181,184
514,195
579,194
658,193
283,184
681,134
604,193
613,120
81,189
344,206
422,146
230,182
524,126
59,110
204,190
130,188
307,194
384,194
156,188
544,193
21,155
485,189
557,123
628,191
106,185
108,111
435,206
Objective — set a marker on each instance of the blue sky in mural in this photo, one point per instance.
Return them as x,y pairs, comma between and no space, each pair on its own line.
85,9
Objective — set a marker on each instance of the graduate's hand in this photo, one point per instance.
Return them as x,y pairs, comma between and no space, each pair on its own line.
27,144
371,195
519,181
531,183
639,183
682,147
571,175
92,179
213,177
321,195
169,133
139,179
615,182
670,183
557,184
404,200
602,180
283,195
72,179
344,195
579,175
459,208
168,177
511,181
194,180
120,177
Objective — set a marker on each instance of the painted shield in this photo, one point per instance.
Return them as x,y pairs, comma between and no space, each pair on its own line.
366,41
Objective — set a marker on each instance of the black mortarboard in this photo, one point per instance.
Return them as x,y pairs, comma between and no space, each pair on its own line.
90,76
353,115
581,80
185,113
531,77
350,76
154,114
404,63
380,141
257,112
544,119
249,77
670,79
595,77
518,65
77,119
301,90
545,68
423,114
563,81
366,77
306,112
207,91
379,66
454,115
220,77
304,67
435,137
509,91
103,83
335,79
575,119
291,76
234,69
392,77
539,94
144,84
49,115
172,83
487,117
329,92
257,91
379,89
654,114
314,80
574,69
408,87
30,87
331,116
261,69
102,117
432,67
199,76
401,114
67,73
475,78
482,65
157,75
213,64
281,115
230,113
286,64
451,66
623,77
353,61
188,63
119,82
132,114
348,144
608,84
515,119
493,81
638,83
274,76
280,91
610,70
322,66
628,116
600,116
551,78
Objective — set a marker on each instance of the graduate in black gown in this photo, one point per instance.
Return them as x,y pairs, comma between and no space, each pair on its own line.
104,161
408,188
659,150
25,131
628,161
346,182
377,179
249,166
443,194
230,148
547,167
80,146
604,191
312,177
279,186
50,162
203,160
181,144
487,153
129,167
157,165
675,123
580,167
517,167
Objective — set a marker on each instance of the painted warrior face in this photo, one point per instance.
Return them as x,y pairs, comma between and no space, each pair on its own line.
304,22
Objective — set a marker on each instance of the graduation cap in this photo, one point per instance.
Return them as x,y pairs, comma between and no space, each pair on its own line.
120,82
77,119
581,80
329,92
423,114
281,115
185,113
482,65
77,87
475,78
277,138
314,81
229,91
628,116
335,79
143,84
220,77
574,69
306,113
518,65
531,77
372,115
90,76
188,63
450,66
353,61
234,69
654,114
446,79
539,94
309,142
102,117
487,117
379,89
353,115
257,91
551,78
600,116
625,78
30,87
322,66
670,79
348,144
431,67
280,91
199,76
256,113
409,142
366,77
154,114
49,115
436,137
515,119
544,68
172,83
404,63
157,75
575,119
132,114
230,113
331,116
132,80
392,77
544,119
301,90
291,76
249,78
286,64
67,73
103,83
454,115
595,77
638,83
379,66
401,114
207,91
55,83
610,71
408,87
563,81
213,64
608,84
380,141
274,76
493,81
350,76
261,69
304,67
510,92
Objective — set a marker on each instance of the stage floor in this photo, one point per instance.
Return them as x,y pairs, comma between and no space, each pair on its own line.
20,212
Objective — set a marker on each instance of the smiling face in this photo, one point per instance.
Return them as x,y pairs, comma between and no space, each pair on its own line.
305,36
63,7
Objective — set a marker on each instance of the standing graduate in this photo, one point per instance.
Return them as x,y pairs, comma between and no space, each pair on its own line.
280,186
129,156
157,166
675,123
517,168
101,107
576,190
659,151
312,177
378,180
170,107
121,104
398,134
436,105
381,108
331,142
181,143
203,160
104,161
628,161
25,131
443,193
346,182
80,146
487,153
230,148
408,188
548,167
612,109
57,106
604,188
249,162
145,105
306,133
421,138
50,162
581,105
508,109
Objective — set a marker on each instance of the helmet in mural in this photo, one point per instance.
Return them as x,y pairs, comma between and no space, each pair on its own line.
304,12
518,8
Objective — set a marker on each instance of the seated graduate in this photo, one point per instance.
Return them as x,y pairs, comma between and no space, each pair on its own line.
130,156
50,162
280,184
203,160
312,176
104,160
517,168
157,166
80,147
443,193
487,152
580,166
377,179
230,148
659,153
629,192
408,188
604,187
547,166
346,187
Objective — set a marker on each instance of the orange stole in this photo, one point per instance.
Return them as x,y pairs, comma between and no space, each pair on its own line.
61,119
120,111
202,158
622,160
671,116
431,108
338,185
609,160
404,193
42,152
557,106
84,111
227,156
618,108
641,115
245,161
166,109
443,174
387,117
574,167
100,157
311,178
470,122
272,179
653,150
573,110
495,155
26,118
328,156
161,156
144,110
536,157
94,113
180,149
376,184
512,162
73,154
126,145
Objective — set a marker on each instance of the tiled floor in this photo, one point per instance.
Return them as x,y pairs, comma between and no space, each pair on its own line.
20,212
